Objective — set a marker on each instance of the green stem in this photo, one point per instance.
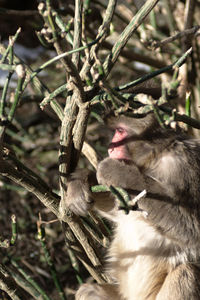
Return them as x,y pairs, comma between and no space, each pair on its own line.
41,237
30,280
21,77
119,196
54,94
14,230
127,33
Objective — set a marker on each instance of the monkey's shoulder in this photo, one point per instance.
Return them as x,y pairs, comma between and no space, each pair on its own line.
186,150
181,148
178,166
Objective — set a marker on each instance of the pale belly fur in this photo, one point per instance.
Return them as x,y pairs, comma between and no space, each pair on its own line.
136,258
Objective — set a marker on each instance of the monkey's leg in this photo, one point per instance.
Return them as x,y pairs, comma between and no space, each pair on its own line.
97,292
181,284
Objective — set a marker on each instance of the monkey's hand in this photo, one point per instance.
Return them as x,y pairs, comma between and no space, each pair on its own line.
118,173
79,197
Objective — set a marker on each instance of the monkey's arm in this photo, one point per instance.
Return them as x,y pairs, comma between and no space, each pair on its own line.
116,173
166,211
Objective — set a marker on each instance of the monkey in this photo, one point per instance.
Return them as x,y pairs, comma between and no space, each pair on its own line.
155,251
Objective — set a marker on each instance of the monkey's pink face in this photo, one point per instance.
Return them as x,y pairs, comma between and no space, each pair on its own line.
117,149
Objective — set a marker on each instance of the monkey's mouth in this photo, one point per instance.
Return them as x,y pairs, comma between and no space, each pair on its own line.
120,153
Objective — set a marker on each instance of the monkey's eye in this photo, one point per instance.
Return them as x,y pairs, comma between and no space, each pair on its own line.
120,130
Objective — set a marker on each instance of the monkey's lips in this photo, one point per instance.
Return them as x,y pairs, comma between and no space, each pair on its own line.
119,153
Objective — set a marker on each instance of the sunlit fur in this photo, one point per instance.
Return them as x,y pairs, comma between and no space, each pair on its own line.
155,251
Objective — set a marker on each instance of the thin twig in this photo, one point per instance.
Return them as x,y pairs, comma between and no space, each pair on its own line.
179,35
101,36
127,33
77,31
38,84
